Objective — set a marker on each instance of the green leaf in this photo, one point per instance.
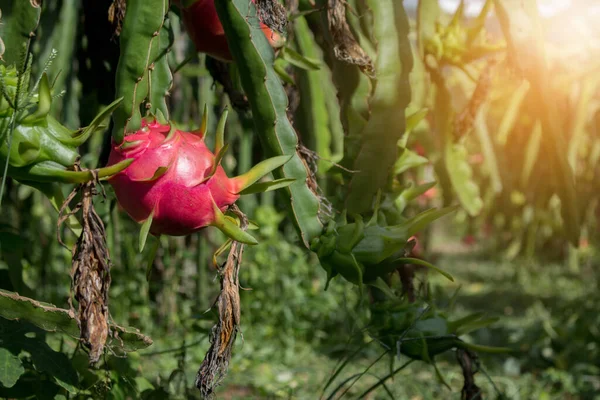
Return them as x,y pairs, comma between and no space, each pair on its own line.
486,349
95,124
11,368
258,171
512,113
384,287
458,15
487,147
144,230
420,221
407,160
469,327
53,363
44,102
411,193
531,152
279,67
461,176
435,326
418,261
151,256
380,243
216,162
411,123
261,187
220,132
479,22
378,148
52,319
428,12
160,171
298,60
230,228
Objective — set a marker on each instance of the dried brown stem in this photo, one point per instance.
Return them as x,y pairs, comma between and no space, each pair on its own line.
90,271
465,119
407,277
116,15
345,45
468,363
273,14
223,335
310,160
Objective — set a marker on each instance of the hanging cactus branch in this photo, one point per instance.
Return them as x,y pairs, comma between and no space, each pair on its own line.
254,57
144,44
386,125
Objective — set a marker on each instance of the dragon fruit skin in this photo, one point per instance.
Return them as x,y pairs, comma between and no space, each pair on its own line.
180,203
173,183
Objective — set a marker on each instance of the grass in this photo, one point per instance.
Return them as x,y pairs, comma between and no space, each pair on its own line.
547,314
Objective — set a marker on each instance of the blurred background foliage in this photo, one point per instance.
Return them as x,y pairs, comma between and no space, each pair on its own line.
507,246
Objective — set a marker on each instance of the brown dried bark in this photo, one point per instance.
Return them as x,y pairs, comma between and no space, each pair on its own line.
345,45
468,363
465,119
214,366
90,271
273,14
116,15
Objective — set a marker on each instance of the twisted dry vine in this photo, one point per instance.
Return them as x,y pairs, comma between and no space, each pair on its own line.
345,46
214,366
90,269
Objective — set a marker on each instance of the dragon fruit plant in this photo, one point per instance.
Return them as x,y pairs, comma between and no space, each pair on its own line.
352,105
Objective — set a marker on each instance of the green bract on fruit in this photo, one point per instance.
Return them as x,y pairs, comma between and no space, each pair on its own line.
205,29
176,184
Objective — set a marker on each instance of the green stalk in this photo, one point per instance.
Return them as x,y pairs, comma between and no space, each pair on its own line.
254,58
313,107
378,149
140,53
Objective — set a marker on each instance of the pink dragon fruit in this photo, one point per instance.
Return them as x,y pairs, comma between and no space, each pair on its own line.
177,185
